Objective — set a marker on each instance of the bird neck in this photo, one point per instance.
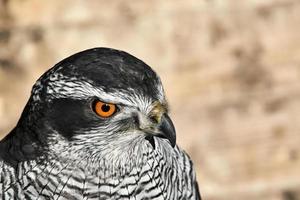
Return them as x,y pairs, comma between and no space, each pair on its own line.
19,146
24,142
110,161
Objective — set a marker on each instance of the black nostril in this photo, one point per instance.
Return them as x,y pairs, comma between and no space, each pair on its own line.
153,119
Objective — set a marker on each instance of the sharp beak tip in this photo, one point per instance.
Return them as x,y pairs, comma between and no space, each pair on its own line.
168,130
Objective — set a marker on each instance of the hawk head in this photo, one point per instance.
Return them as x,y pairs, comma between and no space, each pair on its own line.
100,104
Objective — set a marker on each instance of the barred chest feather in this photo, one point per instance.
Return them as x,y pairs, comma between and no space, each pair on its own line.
155,179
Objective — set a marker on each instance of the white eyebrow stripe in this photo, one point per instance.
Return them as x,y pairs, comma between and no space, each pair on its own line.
82,89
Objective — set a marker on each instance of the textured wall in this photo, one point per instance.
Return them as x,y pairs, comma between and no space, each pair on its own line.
231,70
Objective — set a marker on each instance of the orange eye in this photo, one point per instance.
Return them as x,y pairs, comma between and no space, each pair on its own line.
104,109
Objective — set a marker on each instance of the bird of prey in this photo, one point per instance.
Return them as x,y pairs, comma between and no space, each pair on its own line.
96,126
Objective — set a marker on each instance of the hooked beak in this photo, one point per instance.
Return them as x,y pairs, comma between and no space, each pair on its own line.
167,129
161,125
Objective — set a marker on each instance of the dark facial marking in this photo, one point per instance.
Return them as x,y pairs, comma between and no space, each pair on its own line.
68,116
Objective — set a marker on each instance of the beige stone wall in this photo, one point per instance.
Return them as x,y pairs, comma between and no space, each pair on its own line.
231,70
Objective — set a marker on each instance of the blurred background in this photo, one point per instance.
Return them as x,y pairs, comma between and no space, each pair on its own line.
231,71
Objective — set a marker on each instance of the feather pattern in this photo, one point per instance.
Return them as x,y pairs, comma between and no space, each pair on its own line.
157,178
61,149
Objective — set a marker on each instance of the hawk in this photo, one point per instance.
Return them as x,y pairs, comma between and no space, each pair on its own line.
96,126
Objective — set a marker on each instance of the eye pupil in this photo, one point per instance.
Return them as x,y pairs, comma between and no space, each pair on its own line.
105,107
